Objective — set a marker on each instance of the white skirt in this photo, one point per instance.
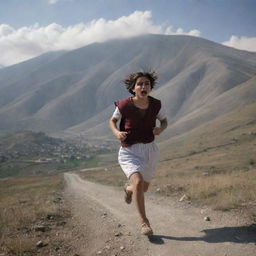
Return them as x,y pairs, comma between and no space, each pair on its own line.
139,157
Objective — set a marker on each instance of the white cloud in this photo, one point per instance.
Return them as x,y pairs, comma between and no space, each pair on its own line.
56,1
52,1
242,43
27,42
171,31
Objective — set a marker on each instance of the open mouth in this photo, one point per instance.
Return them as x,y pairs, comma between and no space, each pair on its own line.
144,93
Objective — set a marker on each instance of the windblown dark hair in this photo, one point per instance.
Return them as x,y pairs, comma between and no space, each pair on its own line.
131,79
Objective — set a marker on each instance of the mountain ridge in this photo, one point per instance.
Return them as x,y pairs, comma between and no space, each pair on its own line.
73,92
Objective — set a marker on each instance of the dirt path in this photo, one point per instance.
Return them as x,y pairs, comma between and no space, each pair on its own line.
110,227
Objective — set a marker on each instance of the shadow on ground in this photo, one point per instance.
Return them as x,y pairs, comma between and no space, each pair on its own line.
244,234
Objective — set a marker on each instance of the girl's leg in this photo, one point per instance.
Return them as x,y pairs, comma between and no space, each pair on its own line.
129,188
137,188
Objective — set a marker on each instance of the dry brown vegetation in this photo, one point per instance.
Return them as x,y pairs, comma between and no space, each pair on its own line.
32,210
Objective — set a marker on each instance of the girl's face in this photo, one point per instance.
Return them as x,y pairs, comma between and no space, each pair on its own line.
142,87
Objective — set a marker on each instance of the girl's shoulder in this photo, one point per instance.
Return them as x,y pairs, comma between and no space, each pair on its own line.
155,102
124,102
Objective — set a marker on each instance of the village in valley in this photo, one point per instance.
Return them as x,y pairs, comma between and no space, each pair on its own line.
32,151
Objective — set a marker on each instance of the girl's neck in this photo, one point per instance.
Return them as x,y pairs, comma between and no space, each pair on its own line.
141,102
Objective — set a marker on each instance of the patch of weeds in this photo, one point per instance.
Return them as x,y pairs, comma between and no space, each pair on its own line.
170,188
251,162
228,206
120,183
254,218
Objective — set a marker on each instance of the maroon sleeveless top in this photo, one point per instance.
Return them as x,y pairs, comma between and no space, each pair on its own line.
139,127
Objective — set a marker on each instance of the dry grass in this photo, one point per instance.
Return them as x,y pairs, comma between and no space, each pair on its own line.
222,191
25,203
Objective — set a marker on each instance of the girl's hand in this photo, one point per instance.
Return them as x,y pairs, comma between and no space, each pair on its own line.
121,135
157,131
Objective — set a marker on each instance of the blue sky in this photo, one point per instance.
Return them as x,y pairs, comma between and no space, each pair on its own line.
31,27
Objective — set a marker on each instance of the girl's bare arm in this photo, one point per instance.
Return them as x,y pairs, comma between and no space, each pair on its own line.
113,126
163,126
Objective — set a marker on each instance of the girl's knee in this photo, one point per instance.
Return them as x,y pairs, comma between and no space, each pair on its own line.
137,180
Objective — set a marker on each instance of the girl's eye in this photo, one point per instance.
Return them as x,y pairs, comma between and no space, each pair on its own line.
145,83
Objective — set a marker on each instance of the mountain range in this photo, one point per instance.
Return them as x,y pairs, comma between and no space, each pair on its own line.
70,93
